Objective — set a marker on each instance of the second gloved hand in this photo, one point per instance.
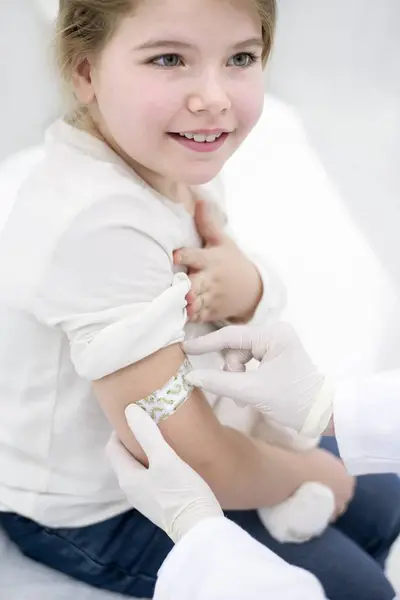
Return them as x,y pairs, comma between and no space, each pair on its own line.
286,386
169,493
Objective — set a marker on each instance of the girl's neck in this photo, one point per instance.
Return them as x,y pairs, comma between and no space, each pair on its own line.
179,193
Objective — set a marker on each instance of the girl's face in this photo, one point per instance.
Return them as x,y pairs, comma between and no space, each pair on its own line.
176,69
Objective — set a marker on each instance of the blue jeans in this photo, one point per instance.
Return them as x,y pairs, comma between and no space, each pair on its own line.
124,554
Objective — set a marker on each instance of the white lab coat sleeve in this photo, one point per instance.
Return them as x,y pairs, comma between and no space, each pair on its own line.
367,423
218,560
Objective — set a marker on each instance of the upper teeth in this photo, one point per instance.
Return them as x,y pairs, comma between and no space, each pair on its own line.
199,137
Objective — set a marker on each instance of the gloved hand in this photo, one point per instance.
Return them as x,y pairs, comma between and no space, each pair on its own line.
169,493
286,387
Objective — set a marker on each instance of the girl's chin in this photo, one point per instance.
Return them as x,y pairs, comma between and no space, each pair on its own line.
199,174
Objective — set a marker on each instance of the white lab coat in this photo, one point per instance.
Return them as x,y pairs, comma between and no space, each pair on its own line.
367,423
218,560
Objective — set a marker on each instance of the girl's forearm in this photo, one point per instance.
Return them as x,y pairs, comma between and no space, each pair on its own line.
250,474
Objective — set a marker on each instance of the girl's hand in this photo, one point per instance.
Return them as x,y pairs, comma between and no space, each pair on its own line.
225,283
325,468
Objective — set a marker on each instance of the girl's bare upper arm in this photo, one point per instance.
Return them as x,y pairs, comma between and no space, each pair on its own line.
193,431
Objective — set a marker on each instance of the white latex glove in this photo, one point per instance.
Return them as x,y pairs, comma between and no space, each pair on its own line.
286,387
169,493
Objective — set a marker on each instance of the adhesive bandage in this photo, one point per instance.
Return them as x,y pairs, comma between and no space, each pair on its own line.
165,402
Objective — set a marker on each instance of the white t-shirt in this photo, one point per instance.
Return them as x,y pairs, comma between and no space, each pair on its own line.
87,287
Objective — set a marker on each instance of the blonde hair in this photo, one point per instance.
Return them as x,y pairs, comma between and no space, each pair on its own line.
268,14
84,27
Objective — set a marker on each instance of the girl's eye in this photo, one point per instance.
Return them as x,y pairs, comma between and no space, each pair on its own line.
243,60
168,61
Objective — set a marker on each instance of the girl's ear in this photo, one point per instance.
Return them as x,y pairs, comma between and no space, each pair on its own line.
82,82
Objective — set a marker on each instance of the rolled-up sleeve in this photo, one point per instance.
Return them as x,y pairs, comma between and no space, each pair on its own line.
109,286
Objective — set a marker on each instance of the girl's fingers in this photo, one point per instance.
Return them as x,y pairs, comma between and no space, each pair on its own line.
193,258
190,297
201,309
195,307
191,312
200,283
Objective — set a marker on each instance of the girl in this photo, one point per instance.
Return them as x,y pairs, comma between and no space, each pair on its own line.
93,307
